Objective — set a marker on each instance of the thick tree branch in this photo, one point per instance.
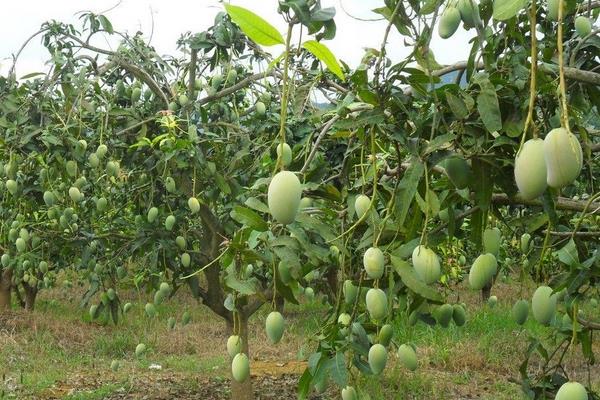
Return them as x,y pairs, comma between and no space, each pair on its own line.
562,203
574,74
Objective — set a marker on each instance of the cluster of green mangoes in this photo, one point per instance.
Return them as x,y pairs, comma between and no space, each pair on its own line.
555,161
465,10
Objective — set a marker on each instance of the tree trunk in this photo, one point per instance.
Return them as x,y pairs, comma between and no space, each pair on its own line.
5,289
30,295
242,391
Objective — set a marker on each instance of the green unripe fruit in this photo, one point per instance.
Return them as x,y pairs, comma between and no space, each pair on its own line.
265,97
583,26
24,234
449,22
198,84
377,358
112,295
284,273
407,357
594,303
49,198
136,94
469,12
173,106
5,259
349,393
152,214
309,293
457,168
112,168
373,262
121,272
305,202
12,186
344,319
75,194
350,292
530,169
180,242
444,315
171,323
159,297
43,267
543,305
140,349
194,205
572,391
482,271
492,301
275,326
170,184
462,260
284,196
93,310
564,158
284,151
93,160
492,238
183,100
553,9
459,315
216,81
525,242
12,234
101,204
150,310
261,109
71,167
376,303
185,260
165,288
385,335
21,245
169,222
234,345
361,205
240,367
115,365
101,151
426,264
231,76
186,318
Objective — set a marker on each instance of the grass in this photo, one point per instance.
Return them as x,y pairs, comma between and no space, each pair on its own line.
57,352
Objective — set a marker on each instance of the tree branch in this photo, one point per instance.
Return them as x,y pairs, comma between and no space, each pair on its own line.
241,84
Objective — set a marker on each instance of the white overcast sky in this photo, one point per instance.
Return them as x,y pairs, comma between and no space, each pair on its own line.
20,18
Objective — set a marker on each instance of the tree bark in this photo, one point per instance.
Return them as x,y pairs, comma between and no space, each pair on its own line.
30,296
5,289
243,390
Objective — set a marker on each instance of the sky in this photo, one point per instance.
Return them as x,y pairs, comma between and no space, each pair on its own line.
167,19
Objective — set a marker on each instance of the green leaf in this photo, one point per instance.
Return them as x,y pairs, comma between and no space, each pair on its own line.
249,218
457,105
506,9
256,204
247,288
337,369
410,279
254,26
568,254
325,55
487,104
407,189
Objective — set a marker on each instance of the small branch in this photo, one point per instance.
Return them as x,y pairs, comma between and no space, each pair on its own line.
589,324
313,152
241,84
